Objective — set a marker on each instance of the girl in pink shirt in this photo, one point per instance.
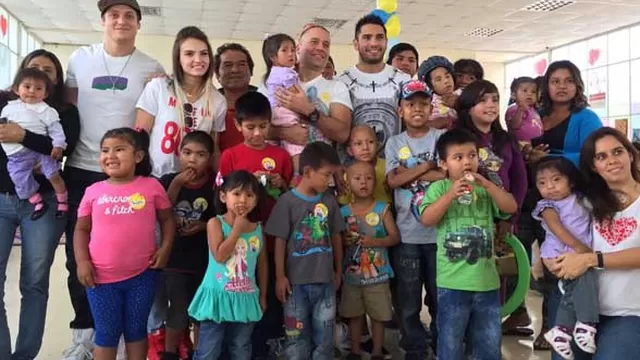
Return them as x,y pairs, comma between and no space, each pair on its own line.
114,243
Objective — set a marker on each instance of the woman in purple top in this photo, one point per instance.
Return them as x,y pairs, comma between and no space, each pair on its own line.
567,223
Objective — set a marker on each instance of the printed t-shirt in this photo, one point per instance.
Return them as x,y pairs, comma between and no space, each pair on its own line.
158,100
123,226
108,90
375,99
272,159
307,224
322,93
403,150
465,255
38,118
194,204
365,266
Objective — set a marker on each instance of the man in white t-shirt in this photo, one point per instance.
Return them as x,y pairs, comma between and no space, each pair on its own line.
104,81
324,105
373,85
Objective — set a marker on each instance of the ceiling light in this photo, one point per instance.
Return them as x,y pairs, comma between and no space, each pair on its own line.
548,5
483,32
329,23
151,10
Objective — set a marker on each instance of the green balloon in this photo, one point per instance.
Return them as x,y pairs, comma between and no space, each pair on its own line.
524,276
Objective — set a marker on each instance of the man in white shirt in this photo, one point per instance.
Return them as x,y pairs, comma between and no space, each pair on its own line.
104,81
374,86
324,105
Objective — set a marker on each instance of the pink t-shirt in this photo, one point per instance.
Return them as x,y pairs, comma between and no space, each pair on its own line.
123,225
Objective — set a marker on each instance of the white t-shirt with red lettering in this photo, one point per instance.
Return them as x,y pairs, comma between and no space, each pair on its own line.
158,100
123,226
619,293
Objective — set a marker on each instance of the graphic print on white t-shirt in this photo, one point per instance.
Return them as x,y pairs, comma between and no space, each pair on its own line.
375,100
159,101
322,93
108,89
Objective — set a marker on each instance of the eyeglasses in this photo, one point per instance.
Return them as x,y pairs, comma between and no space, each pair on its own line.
188,111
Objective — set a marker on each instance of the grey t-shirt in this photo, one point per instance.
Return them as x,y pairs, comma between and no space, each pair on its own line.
307,223
402,150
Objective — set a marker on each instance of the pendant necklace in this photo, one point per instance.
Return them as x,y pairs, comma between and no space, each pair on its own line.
114,79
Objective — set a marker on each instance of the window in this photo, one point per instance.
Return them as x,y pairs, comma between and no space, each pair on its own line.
619,46
619,92
597,55
30,44
561,53
5,71
635,88
597,90
4,35
24,46
578,54
634,35
13,34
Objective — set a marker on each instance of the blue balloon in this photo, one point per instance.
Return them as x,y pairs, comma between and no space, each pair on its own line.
391,43
383,15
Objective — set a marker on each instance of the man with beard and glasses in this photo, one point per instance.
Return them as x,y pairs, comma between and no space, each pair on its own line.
374,86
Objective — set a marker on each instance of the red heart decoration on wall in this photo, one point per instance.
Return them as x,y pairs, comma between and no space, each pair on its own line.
540,66
3,25
594,55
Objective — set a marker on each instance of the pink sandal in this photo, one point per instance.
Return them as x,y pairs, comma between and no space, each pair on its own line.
585,337
560,341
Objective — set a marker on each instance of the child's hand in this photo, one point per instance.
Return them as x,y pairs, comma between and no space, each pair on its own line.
481,180
459,188
57,153
193,228
450,100
263,302
160,258
241,223
277,181
86,274
538,153
367,241
283,289
186,176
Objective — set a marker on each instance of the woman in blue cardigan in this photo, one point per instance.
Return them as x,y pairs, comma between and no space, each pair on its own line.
567,122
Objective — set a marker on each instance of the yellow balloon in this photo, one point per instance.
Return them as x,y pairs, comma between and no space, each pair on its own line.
387,6
393,27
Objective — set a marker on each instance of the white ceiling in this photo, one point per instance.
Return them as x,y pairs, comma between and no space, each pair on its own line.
425,23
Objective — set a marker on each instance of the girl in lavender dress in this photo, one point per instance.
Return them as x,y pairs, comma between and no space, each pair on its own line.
567,223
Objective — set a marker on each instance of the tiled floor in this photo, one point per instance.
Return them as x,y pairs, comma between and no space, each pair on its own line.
57,332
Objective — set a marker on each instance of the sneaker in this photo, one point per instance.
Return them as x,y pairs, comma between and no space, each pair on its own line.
367,347
185,347
122,350
156,344
82,345
560,341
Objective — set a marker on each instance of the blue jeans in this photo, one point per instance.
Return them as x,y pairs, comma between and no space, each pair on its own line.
309,316
415,267
39,241
476,314
235,336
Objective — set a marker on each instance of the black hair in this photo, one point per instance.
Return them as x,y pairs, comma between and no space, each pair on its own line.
456,136
333,65
564,167
242,180
579,101
217,58
469,66
270,48
56,98
604,201
139,139
402,47
252,105
369,20
469,98
316,155
190,32
34,74
198,137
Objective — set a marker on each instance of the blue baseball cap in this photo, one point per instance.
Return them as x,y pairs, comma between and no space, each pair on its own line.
413,87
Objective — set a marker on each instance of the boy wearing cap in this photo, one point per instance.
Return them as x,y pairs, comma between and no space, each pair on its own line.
410,168
437,73
104,81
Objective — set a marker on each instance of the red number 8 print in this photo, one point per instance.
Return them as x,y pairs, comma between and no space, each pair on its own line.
171,139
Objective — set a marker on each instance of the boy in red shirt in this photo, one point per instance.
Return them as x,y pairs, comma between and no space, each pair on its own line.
273,167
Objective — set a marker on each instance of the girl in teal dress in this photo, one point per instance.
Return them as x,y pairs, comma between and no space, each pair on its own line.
228,303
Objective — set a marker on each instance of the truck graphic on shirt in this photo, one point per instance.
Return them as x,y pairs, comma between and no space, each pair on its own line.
468,244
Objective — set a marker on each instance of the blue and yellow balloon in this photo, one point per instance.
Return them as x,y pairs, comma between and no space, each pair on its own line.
386,11
388,6
393,27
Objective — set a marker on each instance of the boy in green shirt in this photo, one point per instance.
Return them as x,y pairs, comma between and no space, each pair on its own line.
463,208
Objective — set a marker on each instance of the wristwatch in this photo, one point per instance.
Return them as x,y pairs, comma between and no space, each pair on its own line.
314,116
600,259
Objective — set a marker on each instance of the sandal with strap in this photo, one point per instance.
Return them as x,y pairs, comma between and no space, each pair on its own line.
585,337
560,341
540,343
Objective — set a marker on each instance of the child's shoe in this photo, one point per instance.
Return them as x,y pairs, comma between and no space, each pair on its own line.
560,341
585,337
40,207
156,344
63,206
169,356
